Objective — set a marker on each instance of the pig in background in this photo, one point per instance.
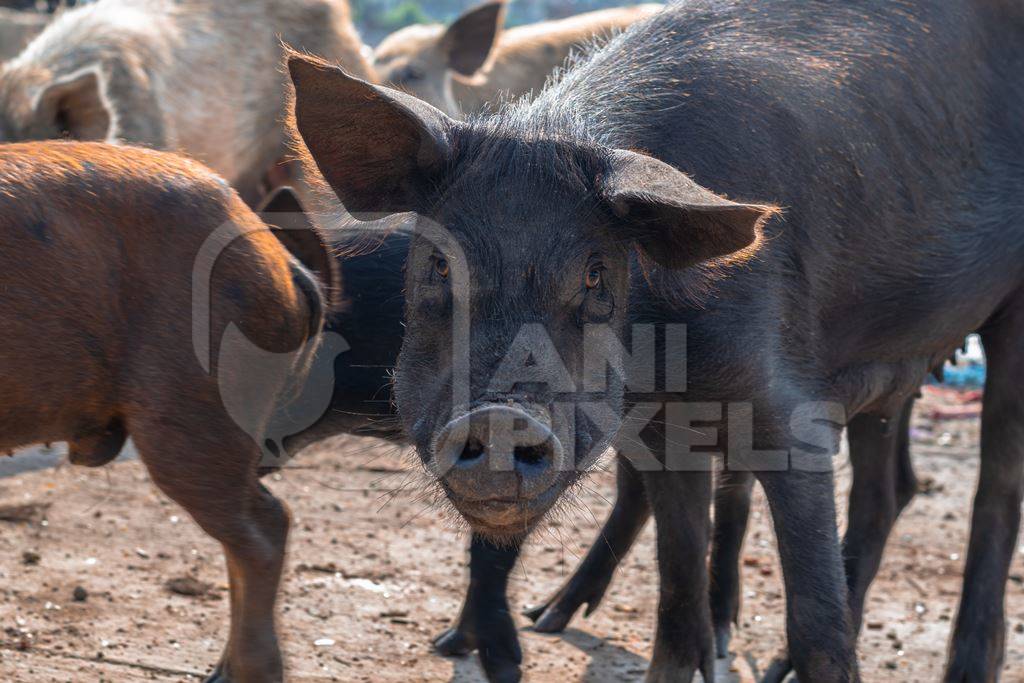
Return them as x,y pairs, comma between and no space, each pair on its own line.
40,5
463,67
198,77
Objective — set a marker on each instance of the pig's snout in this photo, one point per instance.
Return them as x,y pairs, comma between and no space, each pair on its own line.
499,455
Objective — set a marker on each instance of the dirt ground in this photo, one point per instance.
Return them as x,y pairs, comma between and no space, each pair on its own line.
375,571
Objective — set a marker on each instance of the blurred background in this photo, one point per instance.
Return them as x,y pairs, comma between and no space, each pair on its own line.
375,19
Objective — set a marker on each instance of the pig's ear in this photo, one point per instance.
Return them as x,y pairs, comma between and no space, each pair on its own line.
76,105
468,41
675,221
380,150
284,215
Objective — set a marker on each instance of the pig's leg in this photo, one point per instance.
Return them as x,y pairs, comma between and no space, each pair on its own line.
882,474
590,580
485,622
977,647
683,641
732,507
819,632
214,479
906,480
883,484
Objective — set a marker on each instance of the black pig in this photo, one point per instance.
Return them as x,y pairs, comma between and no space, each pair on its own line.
888,131
370,321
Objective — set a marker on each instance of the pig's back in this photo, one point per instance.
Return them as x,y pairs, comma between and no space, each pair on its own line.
150,216
142,48
232,59
887,131
526,56
102,249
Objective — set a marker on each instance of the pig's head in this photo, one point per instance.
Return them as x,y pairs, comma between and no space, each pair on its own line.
38,105
510,378
422,59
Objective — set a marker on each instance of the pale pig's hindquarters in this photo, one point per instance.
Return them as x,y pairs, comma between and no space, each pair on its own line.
202,78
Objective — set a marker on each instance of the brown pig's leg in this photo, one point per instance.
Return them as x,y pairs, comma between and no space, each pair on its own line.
214,478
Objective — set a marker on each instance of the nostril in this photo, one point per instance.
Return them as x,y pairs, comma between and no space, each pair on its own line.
472,450
530,455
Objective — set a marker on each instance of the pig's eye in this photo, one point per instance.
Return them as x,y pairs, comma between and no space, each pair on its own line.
441,267
596,303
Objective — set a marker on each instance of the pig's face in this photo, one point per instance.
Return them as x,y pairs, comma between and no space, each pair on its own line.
509,380
501,381
410,60
423,59
36,105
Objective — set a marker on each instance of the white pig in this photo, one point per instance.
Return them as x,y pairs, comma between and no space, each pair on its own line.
201,77
473,62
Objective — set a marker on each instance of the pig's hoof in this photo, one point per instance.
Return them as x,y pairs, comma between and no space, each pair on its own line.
499,649
670,674
502,672
218,675
533,613
722,637
454,643
550,620
553,616
778,669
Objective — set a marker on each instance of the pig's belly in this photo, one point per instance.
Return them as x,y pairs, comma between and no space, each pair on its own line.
57,403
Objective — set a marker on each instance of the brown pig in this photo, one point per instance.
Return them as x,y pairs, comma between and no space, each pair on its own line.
124,273
462,67
200,77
